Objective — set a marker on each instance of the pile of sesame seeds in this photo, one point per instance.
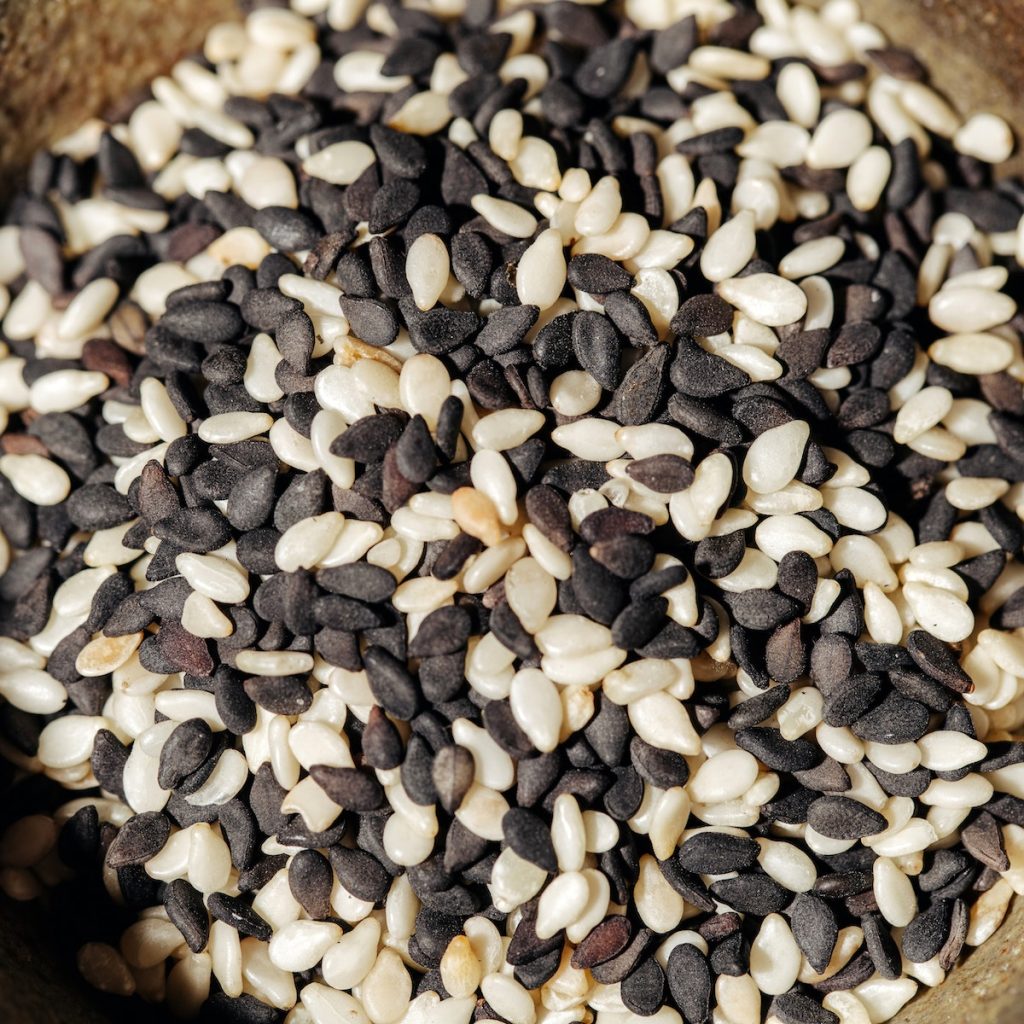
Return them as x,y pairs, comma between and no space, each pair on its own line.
511,513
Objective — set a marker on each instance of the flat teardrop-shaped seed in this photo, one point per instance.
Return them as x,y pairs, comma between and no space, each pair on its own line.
774,457
766,298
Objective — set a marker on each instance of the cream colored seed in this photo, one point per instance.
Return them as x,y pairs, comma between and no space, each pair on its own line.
460,969
476,515
106,653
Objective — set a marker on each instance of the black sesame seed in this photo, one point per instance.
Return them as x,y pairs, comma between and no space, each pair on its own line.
139,839
187,912
841,817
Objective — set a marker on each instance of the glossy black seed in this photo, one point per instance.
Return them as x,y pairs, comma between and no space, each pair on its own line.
881,945
391,683
814,928
281,695
287,229
108,759
98,507
506,328
777,753
79,840
526,947
983,840
237,913
350,788
752,894
687,883
194,529
241,831
505,625
370,319
243,1009
715,853
841,817
828,777
662,768
927,933
663,473
631,318
762,609
400,153
530,836
623,797
896,720
597,274
796,1007
184,751
850,699
382,743
360,873
700,374
938,661
187,912
205,322
755,710
626,556
702,316
643,992
596,343
548,511
392,204
139,839
310,881
690,983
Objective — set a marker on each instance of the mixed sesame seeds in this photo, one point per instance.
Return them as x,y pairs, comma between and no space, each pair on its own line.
511,513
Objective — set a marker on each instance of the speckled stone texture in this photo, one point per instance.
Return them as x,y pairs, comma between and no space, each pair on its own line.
987,987
63,60
973,50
